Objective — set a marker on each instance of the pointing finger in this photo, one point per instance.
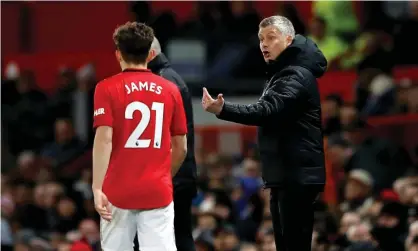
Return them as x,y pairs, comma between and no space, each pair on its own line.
205,92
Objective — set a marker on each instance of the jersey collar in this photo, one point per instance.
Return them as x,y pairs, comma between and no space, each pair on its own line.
136,70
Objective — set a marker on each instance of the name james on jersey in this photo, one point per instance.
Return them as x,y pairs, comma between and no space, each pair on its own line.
143,86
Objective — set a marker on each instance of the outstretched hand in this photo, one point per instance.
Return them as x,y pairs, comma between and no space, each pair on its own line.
212,105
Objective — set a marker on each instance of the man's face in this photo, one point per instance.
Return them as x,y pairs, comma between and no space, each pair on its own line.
63,131
413,247
386,220
348,220
355,190
206,222
251,168
268,243
272,42
337,155
66,208
347,114
317,29
329,109
230,241
90,230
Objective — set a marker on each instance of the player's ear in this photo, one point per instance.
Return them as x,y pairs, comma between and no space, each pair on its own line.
118,56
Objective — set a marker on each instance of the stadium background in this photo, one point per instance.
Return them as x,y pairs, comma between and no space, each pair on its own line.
53,53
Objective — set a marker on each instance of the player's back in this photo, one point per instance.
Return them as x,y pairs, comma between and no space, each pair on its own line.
139,173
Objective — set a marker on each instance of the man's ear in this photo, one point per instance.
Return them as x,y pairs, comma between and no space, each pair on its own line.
289,40
151,55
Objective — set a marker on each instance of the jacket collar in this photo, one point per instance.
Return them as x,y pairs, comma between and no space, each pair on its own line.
275,66
158,63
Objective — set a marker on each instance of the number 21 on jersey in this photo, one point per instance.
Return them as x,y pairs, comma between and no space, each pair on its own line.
133,140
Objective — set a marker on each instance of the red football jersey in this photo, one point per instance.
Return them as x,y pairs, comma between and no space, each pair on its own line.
145,111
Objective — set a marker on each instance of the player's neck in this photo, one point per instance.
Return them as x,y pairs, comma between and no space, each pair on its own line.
134,66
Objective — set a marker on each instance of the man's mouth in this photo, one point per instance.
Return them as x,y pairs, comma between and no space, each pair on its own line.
266,54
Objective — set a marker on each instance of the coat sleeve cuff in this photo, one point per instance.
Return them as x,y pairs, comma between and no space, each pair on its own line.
226,111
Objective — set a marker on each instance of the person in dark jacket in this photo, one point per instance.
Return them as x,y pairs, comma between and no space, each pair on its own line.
185,180
288,117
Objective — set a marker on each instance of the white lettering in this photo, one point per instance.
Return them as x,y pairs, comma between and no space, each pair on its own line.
152,87
143,86
99,111
134,87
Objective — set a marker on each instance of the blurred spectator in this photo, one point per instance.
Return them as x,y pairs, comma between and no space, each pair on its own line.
390,227
371,49
43,208
376,93
331,113
384,160
339,16
67,215
412,238
89,236
6,235
357,192
348,114
205,222
82,103
331,45
25,120
288,10
407,190
227,239
243,21
141,11
66,146
268,243
359,233
74,99
348,220
205,242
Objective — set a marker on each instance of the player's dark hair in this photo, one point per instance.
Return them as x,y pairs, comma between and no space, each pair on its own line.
133,40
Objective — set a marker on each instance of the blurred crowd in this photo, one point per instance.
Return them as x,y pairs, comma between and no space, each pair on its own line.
376,35
46,198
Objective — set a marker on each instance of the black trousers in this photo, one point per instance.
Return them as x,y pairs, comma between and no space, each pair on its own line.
182,219
292,211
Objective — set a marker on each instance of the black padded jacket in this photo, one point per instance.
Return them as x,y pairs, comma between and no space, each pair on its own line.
288,116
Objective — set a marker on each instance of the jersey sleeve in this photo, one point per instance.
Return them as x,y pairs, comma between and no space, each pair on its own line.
178,121
102,107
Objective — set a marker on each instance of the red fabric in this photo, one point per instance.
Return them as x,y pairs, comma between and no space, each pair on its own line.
81,245
330,190
389,195
145,111
10,30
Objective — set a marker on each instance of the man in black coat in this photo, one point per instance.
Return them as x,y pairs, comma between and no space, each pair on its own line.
185,180
288,116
